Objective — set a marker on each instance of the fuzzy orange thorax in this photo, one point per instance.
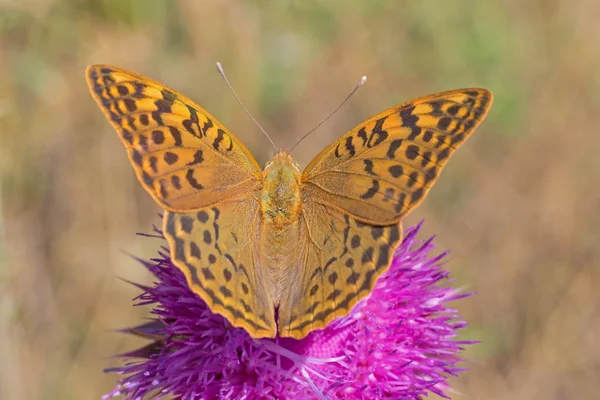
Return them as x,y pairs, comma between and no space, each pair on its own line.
280,196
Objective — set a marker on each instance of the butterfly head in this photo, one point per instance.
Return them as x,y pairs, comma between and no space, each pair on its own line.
280,195
281,160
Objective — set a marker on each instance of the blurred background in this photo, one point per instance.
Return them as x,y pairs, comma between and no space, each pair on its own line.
519,204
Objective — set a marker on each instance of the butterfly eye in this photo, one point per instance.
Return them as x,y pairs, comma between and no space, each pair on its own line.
268,164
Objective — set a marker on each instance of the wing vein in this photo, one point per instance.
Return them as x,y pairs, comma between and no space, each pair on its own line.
337,194
396,185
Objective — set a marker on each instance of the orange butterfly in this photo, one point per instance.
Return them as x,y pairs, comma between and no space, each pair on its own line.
280,250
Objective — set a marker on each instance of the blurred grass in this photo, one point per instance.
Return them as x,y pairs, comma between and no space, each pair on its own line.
519,205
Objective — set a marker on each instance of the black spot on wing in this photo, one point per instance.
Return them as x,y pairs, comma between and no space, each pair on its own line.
195,250
337,151
171,158
367,255
163,106
436,106
130,104
430,174
368,167
378,135
396,171
189,176
395,145
412,152
207,237
372,190
193,120
227,274
314,290
353,278
384,257
355,242
207,125
147,179
187,224
443,123
176,182
332,278
329,262
168,95
156,116
333,295
453,109
158,137
416,195
136,156
198,158
202,216
363,135
176,135
193,273
407,117
163,189
394,234
218,139
443,154
427,136
350,146
208,275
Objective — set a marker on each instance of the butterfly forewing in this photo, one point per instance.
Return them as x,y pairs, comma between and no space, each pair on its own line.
385,166
181,154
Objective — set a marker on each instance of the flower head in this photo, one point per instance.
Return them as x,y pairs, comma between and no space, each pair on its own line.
400,342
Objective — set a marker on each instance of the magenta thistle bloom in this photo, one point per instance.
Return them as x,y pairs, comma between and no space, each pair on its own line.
399,343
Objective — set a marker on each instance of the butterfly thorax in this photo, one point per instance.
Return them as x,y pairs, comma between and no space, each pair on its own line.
280,196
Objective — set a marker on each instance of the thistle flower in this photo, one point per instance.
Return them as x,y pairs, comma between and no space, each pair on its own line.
398,343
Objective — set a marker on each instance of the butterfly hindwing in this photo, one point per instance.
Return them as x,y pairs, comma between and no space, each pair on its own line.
181,154
341,261
385,166
214,248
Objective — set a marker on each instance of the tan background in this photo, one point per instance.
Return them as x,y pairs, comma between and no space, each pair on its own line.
519,205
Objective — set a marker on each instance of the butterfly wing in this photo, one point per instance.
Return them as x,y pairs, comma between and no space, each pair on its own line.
206,180
355,193
341,260
385,166
215,249
181,154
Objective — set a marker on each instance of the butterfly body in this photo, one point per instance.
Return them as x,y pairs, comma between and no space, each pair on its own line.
280,194
280,251
279,234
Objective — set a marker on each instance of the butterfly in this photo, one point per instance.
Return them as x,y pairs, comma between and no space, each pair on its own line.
280,250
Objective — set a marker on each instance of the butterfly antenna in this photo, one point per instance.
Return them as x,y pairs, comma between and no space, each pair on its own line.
359,84
222,72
